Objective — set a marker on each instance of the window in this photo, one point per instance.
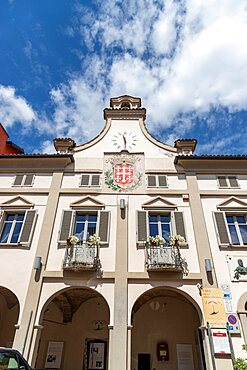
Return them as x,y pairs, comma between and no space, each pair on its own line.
227,182
17,227
90,180
24,180
160,224
83,224
163,223
157,181
231,228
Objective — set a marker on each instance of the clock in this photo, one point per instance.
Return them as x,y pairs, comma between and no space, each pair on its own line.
124,140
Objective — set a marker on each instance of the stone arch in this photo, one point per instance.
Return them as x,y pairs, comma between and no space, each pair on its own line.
74,316
9,315
242,313
165,315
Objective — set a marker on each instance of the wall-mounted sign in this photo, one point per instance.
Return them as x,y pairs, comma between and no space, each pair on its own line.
214,307
54,355
237,267
96,355
233,323
221,342
226,291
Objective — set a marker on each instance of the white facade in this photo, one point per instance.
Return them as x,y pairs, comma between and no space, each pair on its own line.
140,304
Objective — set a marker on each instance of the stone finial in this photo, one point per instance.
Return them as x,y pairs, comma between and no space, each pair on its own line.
185,146
64,144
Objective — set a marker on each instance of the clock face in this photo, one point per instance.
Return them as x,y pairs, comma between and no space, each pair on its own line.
124,140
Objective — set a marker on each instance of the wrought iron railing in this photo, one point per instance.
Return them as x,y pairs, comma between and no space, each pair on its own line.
162,257
82,256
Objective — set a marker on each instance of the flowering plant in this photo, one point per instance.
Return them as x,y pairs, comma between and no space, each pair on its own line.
72,240
176,239
156,240
93,239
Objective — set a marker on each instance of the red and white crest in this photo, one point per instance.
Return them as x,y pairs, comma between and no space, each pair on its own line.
123,174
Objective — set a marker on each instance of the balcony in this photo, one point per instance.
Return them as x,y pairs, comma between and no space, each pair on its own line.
162,258
82,256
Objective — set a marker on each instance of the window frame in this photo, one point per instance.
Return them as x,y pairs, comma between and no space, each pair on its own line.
159,214
13,224
23,230
87,213
236,226
89,185
156,186
228,186
231,213
24,176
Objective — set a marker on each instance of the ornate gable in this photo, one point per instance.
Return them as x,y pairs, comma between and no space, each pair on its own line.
87,202
16,203
159,202
233,203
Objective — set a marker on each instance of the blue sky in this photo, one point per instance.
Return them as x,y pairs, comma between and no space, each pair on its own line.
62,60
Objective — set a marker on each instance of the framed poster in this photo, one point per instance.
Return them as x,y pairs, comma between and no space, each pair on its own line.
221,342
185,357
214,307
96,355
54,355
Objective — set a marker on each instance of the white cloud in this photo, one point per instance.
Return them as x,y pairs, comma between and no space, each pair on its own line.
14,108
181,57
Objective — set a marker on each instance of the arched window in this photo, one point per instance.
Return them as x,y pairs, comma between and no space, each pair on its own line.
125,105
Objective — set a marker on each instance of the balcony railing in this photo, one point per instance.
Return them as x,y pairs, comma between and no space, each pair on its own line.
82,256
163,258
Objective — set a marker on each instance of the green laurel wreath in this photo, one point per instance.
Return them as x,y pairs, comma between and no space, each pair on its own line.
109,180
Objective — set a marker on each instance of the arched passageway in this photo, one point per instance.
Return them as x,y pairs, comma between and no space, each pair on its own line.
9,313
165,331
75,331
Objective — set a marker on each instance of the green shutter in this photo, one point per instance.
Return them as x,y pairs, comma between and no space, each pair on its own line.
179,223
104,221
221,228
27,227
141,226
65,226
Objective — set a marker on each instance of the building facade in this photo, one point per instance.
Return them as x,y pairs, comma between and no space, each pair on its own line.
89,276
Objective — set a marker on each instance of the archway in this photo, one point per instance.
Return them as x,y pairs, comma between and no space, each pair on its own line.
75,331
9,314
242,312
165,331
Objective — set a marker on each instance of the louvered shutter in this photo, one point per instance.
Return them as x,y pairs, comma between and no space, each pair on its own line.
142,226
162,180
65,226
179,224
222,181
18,180
29,180
221,226
104,222
233,181
151,181
95,180
27,228
85,180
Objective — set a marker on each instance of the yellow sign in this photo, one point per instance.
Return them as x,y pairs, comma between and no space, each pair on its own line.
214,308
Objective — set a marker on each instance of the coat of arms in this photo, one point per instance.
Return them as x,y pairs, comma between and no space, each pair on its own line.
123,176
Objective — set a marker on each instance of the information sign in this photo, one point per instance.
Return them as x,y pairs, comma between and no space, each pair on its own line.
214,308
233,323
221,342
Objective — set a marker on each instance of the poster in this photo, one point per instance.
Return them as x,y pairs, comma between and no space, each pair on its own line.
214,307
221,342
185,357
54,355
96,355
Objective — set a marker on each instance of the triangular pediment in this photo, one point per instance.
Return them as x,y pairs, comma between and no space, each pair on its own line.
17,202
87,202
159,202
233,203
